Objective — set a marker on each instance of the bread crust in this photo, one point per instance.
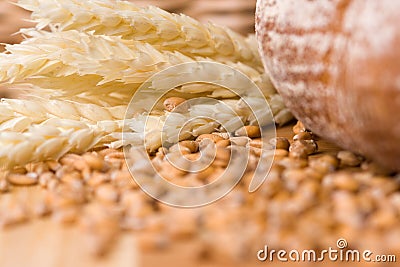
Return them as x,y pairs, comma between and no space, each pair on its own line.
336,64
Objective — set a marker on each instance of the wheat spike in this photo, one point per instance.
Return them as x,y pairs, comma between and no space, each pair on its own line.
41,109
49,132
49,140
152,25
76,62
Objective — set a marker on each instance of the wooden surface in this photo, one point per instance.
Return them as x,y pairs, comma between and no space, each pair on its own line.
45,243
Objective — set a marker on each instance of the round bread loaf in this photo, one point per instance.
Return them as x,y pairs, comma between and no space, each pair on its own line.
336,64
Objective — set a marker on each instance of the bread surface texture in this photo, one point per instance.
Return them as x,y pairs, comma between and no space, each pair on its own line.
337,66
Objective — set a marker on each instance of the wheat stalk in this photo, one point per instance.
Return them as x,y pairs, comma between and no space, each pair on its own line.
84,72
48,134
45,141
152,25
41,109
76,62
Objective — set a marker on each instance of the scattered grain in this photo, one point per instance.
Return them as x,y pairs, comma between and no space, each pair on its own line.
95,162
213,137
280,143
171,103
250,131
23,179
4,186
302,148
303,136
349,159
299,128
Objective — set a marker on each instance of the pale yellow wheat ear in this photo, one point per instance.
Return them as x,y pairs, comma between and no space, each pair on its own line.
46,141
152,25
77,62
38,130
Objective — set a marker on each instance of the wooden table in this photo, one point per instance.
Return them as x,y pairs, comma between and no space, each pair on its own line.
44,243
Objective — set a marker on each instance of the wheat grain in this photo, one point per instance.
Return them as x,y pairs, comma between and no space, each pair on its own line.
152,25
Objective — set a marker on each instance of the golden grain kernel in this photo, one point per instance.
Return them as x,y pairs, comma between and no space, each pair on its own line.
223,143
215,138
115,163
303,136
107,193
40,168
180,149
220,163
250,131
66,215
4,186
383,185
345,181
193,146
303,148
293,177
69,159
108,151
172,102
19,170
292,163
298,154
161,152
52,184
63,170
80,165
98,178
223,135
53,165
71,176
256,151
257,142
223,154
280,143
193,157
349,159
23,179
281,153
325,163
170,172
115,155
95,162
299,127
44,178
240,140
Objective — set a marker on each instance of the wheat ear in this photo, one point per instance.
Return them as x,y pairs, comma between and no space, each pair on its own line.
77,62
46,141
151,25
50,135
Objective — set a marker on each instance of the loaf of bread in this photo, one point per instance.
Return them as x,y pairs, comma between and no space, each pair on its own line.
336,63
